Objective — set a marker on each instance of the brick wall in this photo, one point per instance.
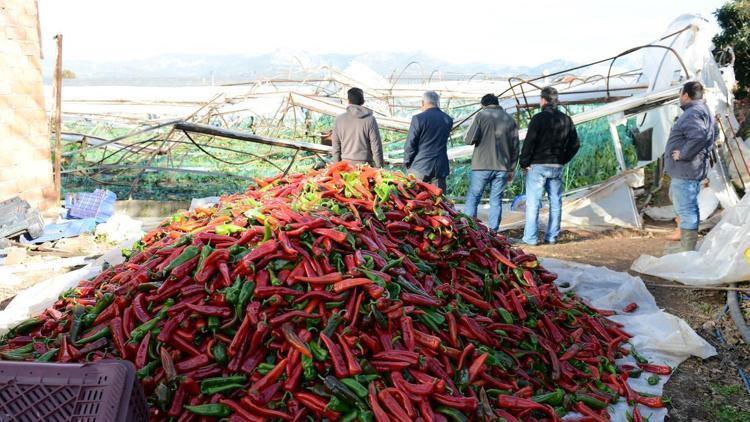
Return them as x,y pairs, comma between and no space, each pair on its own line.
25,164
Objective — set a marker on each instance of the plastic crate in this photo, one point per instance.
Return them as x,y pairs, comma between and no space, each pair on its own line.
104,391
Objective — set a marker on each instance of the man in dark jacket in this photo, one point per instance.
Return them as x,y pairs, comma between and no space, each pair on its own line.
426,148
356,136
686,159
551,142
494,135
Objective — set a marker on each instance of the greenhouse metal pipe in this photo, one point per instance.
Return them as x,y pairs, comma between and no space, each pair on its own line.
736,314
120,138
244,136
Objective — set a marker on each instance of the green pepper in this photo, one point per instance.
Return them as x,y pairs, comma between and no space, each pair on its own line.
218,381
147,369
505,315
220,353
554,398
227,229
355,386
267,230
452,414
265,367
340,390
46,357
211,409
308,369
182,241
653,380
232,293
365,416
189,253
75,325
147,287
332,305
21,353
25,326
245,293
101,305
338,405
140,331
410,287
333,323
590,401
392,263
104,332
372,276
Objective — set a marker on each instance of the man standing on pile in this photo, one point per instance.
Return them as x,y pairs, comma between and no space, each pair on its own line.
686,159
494,135
356,137
426,147
551,142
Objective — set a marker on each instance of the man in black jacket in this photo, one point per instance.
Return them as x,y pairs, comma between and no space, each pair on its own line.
426,147
551,142
494,135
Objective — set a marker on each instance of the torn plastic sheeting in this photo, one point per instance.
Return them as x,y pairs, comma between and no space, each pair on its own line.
718,260
39,297
660,337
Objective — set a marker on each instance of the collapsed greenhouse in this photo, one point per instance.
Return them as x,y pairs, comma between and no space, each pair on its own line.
297,287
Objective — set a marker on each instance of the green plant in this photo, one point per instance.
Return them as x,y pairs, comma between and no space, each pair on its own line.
734,19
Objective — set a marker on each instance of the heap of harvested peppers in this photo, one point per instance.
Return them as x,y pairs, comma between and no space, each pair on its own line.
349,294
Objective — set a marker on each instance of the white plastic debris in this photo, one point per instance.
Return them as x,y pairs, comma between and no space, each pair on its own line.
119,228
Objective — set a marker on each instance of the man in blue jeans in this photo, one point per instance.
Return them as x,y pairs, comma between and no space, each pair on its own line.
494,135
551,142
686,159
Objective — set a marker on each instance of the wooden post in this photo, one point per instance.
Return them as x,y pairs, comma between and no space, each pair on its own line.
57,122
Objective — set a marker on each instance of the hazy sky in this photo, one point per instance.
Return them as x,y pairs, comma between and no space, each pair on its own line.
497,31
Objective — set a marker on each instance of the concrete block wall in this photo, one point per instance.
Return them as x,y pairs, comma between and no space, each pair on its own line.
25,163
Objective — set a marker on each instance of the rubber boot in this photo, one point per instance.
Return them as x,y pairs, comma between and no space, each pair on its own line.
688,240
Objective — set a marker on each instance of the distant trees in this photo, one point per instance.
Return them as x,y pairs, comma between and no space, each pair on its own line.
734,19
68,74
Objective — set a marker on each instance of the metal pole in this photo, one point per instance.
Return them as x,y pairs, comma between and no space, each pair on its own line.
58,108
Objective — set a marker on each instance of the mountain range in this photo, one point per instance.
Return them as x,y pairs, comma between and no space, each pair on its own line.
204,69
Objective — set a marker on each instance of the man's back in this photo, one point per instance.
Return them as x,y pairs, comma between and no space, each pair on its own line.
494,135
693,135
426,148
356,137
551,139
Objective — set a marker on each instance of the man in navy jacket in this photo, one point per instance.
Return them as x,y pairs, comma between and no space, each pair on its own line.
426,148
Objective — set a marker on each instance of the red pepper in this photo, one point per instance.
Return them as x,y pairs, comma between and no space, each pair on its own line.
630,307
317,404
139,310
330,278
468,350
270,377
178,399
655,402
142,355
350,283
378,412
263,411
476,366
293,339
398,412
351,361
240,336
240,412
220,311
118,338
468,404
656,369
339,367
335,235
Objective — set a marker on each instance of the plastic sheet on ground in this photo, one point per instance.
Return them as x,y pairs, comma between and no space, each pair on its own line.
67,228
39,297
660,337
719,258
119,228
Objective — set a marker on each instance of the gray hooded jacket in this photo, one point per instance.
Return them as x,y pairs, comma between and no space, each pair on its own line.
693,135
494,135
356,137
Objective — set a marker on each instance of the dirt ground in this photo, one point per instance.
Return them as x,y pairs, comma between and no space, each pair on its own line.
700,390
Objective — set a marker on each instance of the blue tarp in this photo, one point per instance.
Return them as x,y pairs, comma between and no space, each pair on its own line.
68,228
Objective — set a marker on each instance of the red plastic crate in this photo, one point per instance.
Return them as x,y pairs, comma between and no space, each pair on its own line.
105,391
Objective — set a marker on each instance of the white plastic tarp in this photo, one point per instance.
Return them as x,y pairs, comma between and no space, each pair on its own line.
660,337
718,260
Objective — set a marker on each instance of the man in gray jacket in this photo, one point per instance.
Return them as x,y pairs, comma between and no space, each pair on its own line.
494,135
686,159
356,137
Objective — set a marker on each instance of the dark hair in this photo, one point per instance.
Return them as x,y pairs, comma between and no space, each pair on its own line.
490,99
355,96
550,94
693,89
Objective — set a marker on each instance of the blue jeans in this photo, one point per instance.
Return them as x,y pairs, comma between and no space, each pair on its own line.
684,196
539,179
477,183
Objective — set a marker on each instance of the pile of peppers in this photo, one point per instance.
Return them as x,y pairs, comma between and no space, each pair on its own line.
346,293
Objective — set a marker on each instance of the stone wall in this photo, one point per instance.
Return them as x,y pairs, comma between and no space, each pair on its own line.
25,164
